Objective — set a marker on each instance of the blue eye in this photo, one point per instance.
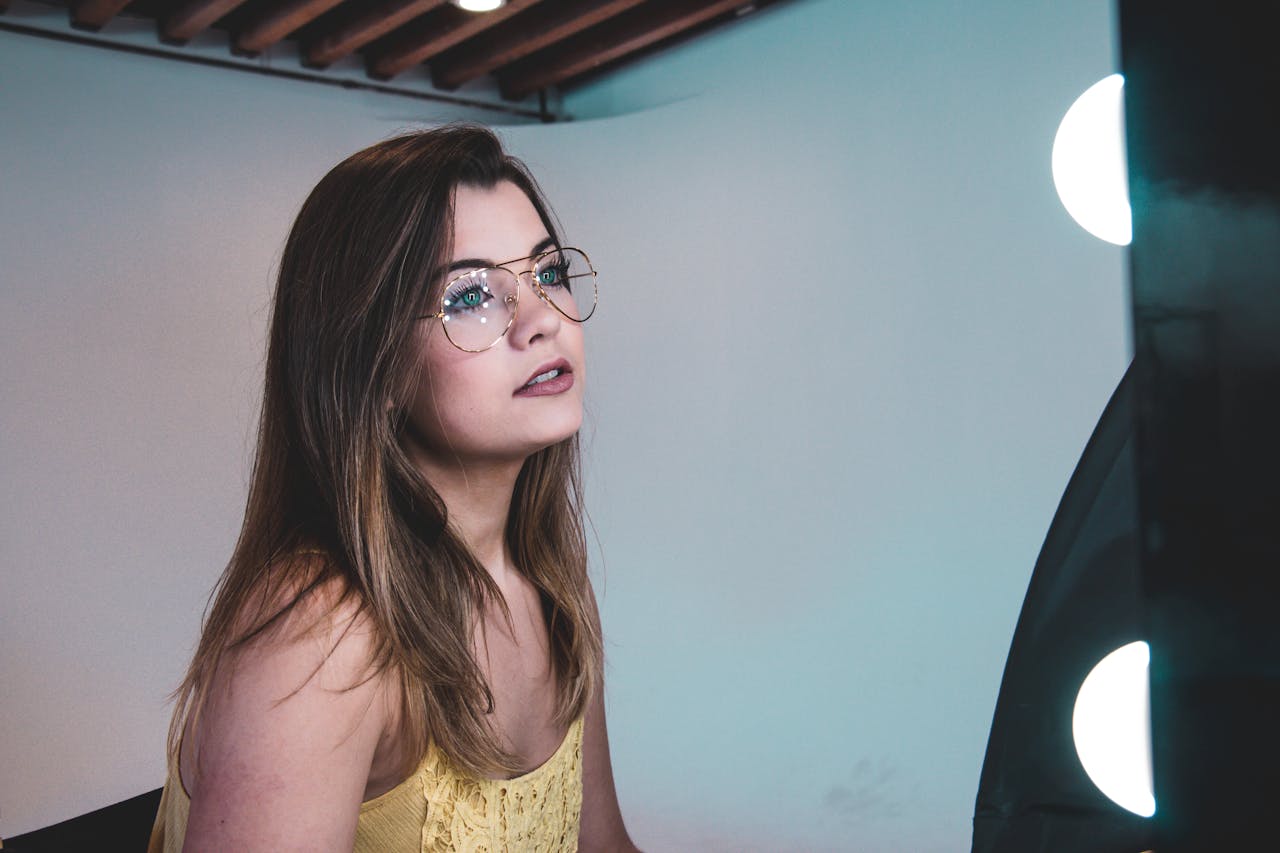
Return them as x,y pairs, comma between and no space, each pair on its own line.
466,296
555,275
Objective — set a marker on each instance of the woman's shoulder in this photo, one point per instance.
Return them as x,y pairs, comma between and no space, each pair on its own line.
292,717
304,625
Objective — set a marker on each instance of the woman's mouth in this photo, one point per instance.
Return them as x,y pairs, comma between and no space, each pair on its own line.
555,378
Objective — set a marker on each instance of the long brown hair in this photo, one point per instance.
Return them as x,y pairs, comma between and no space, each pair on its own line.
331,475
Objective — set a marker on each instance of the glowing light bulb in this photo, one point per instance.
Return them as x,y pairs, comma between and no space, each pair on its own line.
1089,169
479,5
1111,726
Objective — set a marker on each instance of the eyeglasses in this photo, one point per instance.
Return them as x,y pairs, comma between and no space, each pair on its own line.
479,306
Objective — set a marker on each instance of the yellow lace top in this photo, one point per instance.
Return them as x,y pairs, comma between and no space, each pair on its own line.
438,808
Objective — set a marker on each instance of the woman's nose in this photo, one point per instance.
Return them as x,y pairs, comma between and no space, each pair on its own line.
534,316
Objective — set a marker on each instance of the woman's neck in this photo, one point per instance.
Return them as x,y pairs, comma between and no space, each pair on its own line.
478,498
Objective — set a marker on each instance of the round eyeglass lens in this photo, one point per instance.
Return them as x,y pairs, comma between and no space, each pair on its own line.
569,281
478,307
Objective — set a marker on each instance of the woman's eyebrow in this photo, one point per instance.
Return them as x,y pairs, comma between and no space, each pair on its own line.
473,263
542,245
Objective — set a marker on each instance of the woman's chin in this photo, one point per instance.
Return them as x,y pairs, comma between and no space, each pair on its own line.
555,430
523,449
553,438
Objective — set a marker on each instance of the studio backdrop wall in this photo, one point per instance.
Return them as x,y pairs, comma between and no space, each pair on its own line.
849,349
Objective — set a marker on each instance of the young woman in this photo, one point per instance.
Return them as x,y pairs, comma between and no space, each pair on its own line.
404,652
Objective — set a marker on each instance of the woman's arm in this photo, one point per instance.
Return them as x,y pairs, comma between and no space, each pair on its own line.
601,826
281,772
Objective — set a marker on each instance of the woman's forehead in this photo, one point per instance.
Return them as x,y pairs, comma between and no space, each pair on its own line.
495,224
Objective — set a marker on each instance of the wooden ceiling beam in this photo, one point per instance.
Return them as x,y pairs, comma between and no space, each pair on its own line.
277,22
373,21
612,40
192,18
543,26
93,14
434,36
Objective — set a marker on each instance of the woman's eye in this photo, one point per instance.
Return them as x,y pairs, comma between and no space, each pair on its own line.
466,298
553,276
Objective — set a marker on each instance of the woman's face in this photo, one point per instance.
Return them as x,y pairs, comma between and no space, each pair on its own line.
474,407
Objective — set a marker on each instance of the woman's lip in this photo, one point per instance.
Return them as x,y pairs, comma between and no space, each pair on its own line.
561,364
558,385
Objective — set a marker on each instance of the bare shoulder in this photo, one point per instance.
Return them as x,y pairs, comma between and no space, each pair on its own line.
280,753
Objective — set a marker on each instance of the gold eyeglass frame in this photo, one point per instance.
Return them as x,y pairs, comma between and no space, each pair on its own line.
515,302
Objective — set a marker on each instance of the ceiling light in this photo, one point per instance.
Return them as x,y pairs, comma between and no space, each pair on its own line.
479,5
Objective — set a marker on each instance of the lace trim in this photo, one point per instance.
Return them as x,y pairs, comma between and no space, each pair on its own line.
538,811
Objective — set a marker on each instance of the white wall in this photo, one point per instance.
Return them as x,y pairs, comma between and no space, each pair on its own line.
849,351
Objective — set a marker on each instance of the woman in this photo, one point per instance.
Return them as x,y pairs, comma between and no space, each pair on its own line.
404,652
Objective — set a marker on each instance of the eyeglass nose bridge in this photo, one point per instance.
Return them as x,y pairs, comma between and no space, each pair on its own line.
513,298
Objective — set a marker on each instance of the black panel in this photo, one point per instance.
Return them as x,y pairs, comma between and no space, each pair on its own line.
123,827
1202,98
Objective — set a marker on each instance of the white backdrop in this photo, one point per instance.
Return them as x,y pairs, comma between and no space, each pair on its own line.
849,350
